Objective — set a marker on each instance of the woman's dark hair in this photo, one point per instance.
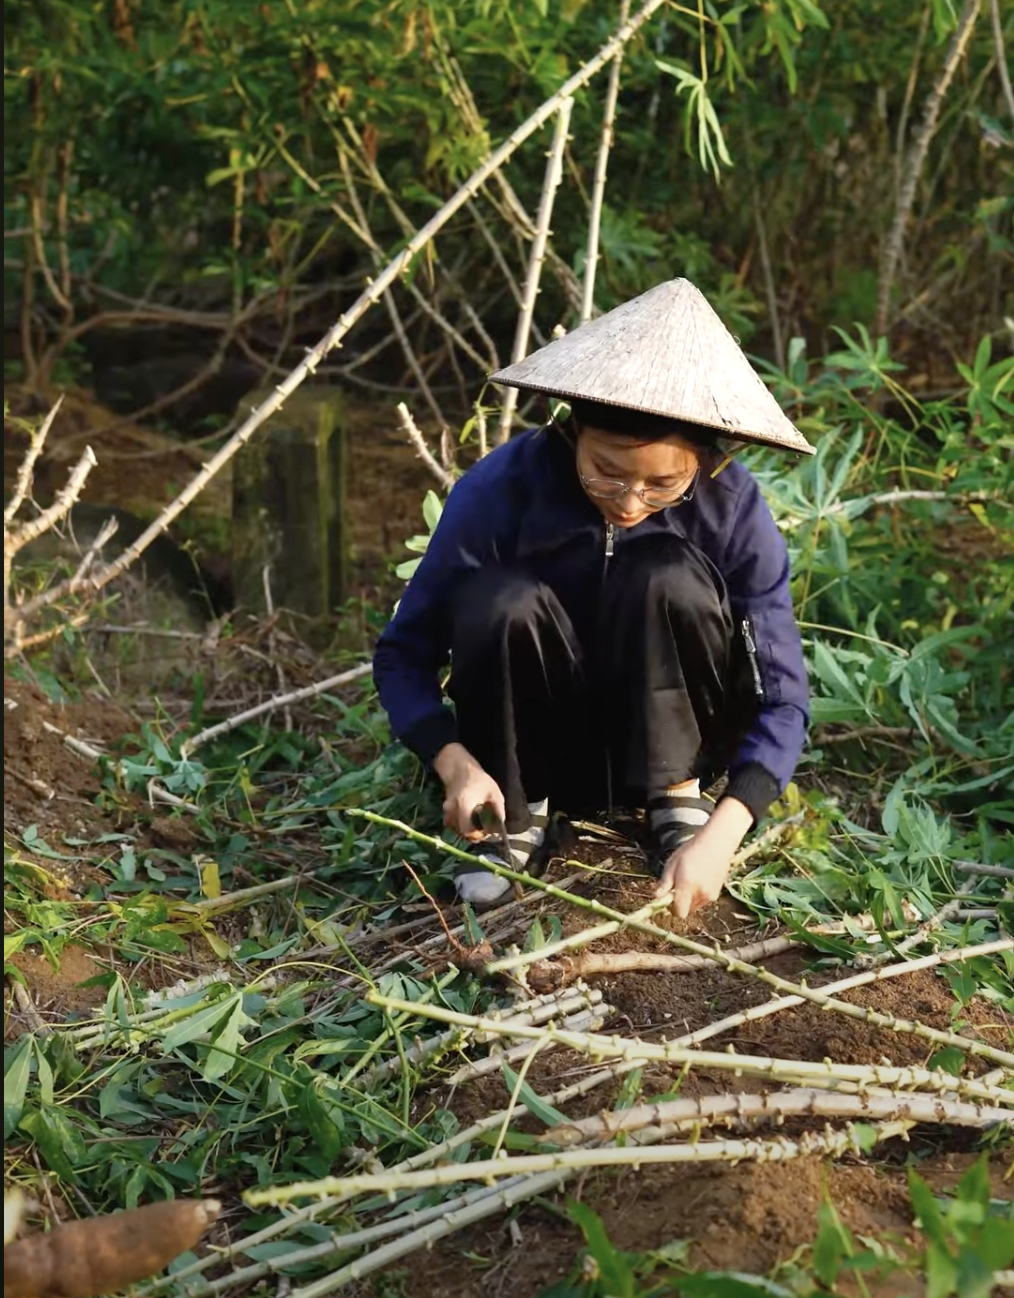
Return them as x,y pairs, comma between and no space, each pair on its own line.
626,422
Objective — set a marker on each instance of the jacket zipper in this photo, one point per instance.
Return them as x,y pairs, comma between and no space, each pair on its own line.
751,653
610,537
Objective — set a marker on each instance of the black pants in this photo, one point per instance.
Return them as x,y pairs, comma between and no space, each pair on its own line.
650,697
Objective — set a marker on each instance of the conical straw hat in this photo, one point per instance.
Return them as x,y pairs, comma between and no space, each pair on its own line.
664,353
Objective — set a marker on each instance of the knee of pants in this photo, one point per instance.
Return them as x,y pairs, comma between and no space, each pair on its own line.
491,601
665,570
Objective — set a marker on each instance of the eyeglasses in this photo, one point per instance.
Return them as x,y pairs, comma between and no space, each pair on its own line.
653,497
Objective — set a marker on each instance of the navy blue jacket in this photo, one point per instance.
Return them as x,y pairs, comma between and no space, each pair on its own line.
524,502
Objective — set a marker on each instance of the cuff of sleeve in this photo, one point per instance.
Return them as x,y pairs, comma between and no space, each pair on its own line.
754,786
428,736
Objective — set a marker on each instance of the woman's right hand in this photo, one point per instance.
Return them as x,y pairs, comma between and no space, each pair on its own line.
466,786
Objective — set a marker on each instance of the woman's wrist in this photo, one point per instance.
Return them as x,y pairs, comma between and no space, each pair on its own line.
729,824
452,761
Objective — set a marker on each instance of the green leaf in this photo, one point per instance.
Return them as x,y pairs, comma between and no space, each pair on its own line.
226,1043
432,508
950,1059
536,1105
630,1089
941,1271
59,1140
927,1210
534,938
16,1074
830,1246
616,1275
201,1024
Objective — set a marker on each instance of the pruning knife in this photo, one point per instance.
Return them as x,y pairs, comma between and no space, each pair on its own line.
486,817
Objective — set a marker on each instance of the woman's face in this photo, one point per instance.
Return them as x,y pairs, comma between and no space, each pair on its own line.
663,470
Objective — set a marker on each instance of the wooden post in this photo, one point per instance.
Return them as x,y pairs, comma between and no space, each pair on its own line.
289,508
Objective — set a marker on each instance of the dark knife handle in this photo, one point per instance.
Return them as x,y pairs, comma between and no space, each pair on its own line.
485,817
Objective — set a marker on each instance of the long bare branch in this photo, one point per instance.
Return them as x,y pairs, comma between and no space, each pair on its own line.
913,166
599,186
272,705
554,174
737,1110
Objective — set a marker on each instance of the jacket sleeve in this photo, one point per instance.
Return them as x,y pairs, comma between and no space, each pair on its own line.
415,645
756,572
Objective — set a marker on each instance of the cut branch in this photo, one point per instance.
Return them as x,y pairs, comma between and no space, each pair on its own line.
739,1110
716,954
598,1046
776,1150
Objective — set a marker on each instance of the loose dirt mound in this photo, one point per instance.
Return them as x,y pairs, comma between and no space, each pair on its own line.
45,783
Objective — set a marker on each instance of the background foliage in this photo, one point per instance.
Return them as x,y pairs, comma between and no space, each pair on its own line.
174,174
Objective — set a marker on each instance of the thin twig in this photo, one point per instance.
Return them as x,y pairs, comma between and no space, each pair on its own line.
26,470
769,279
411,430
975,867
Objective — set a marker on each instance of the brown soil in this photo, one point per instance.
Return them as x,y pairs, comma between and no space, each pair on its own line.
748,1218
45,783
55,813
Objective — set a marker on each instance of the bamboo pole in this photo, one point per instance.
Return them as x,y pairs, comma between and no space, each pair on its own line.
599,185
554,174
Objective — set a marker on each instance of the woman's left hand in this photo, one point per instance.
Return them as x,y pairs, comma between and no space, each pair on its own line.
696,872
